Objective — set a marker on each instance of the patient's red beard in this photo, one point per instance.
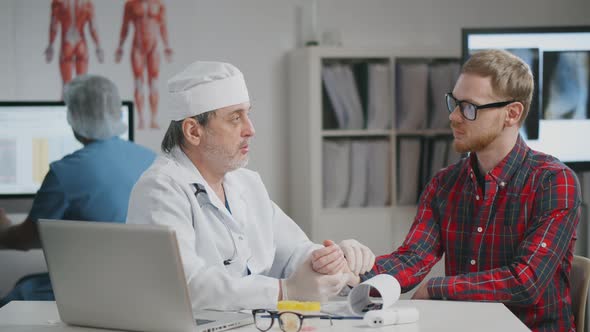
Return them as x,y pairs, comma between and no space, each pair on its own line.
473,144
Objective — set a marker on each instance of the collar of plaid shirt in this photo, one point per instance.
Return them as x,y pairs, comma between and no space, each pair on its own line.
502,173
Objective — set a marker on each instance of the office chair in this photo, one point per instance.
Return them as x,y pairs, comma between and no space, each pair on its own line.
580,282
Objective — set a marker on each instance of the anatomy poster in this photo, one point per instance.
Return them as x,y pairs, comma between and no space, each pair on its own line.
148,18
72,18
142,22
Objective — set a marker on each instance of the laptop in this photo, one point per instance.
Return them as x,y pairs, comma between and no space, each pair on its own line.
127,277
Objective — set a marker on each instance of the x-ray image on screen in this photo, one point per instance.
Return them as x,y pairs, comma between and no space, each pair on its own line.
565,78
530,129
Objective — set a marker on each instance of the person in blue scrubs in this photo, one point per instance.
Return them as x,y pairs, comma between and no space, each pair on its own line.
91,184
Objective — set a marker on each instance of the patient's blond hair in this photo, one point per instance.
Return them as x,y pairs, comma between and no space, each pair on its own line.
511,77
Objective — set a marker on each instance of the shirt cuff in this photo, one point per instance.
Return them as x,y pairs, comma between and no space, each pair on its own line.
368,275
439,287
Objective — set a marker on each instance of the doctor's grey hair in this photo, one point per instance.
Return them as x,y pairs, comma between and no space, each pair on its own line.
175,137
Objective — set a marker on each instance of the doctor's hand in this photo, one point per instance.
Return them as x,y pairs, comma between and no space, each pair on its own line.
307,285
329,259
359,257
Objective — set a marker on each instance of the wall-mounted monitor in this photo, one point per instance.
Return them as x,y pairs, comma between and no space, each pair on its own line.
559,57
32,135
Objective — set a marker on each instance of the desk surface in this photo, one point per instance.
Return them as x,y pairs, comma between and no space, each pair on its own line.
434,316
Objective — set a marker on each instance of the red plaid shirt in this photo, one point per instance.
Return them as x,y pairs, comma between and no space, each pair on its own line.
512,243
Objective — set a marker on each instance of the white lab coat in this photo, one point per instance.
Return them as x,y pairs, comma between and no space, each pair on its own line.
267,242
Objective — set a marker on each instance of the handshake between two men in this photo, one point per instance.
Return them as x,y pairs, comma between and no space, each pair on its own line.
327,271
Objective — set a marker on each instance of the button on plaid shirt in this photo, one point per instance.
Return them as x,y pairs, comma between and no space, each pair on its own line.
511,242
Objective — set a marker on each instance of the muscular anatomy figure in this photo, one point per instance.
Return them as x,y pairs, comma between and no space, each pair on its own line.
73,16
148,18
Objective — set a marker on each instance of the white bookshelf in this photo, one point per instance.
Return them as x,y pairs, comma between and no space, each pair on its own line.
382,228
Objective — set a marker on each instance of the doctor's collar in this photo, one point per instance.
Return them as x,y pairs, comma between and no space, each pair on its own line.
192,174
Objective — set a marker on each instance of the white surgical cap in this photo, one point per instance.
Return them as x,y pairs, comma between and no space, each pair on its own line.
94,107
205,86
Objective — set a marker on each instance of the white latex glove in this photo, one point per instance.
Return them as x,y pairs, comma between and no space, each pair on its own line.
359,257
307,285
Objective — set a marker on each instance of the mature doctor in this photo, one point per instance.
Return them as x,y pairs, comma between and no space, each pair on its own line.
239,249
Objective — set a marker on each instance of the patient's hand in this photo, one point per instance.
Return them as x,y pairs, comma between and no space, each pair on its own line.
329,259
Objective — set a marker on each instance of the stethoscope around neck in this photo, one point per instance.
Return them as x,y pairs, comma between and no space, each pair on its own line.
201,189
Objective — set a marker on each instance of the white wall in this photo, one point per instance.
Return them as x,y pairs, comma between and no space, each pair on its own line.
255,35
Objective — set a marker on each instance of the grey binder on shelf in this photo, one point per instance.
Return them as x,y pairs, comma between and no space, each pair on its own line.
441,155
357,193
335,172
438,156
409,153
350,93
411,95
379,170
330,79
343,93
442,77
379,110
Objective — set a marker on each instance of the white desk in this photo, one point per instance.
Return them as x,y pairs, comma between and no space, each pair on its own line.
434,316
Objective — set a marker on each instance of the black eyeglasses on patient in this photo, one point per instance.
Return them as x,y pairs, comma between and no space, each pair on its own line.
468,109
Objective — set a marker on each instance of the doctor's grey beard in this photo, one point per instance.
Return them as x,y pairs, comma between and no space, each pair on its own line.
224,158
239,163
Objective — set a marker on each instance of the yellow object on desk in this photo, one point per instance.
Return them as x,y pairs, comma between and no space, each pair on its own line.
298,306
